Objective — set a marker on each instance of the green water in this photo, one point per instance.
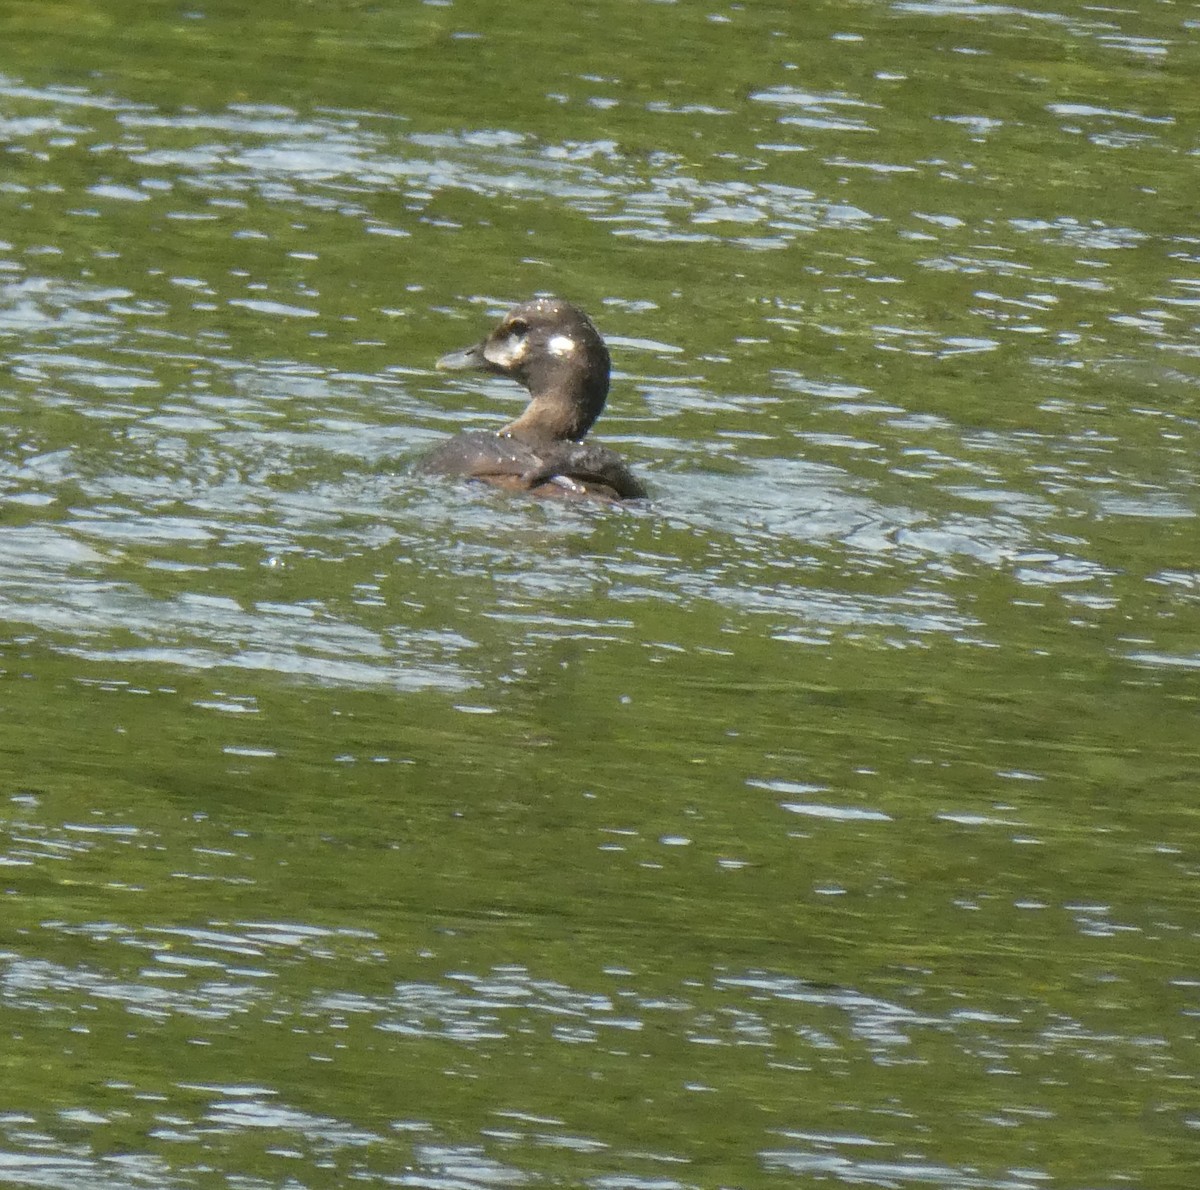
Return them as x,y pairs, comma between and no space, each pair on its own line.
828,819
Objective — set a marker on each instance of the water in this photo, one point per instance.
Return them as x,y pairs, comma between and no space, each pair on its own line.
827,819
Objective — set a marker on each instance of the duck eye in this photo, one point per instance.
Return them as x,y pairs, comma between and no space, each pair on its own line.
508,344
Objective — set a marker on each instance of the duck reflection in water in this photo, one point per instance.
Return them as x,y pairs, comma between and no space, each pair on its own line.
551,348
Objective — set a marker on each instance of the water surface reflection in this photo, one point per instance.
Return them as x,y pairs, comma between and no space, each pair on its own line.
823,818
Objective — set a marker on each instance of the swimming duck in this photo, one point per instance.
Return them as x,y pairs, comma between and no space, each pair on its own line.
551,348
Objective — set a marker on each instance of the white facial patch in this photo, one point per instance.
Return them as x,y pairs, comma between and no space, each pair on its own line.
507,352
561,345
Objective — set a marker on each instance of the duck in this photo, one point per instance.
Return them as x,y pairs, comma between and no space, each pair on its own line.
551,348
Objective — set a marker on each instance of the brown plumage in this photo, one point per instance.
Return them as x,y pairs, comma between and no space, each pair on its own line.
551,348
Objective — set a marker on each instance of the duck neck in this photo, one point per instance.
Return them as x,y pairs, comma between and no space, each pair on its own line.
556,416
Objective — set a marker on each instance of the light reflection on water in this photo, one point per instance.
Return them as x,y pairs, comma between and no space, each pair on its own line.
823,818
777,1023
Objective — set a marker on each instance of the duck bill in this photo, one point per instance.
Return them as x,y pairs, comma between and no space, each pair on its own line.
460,361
